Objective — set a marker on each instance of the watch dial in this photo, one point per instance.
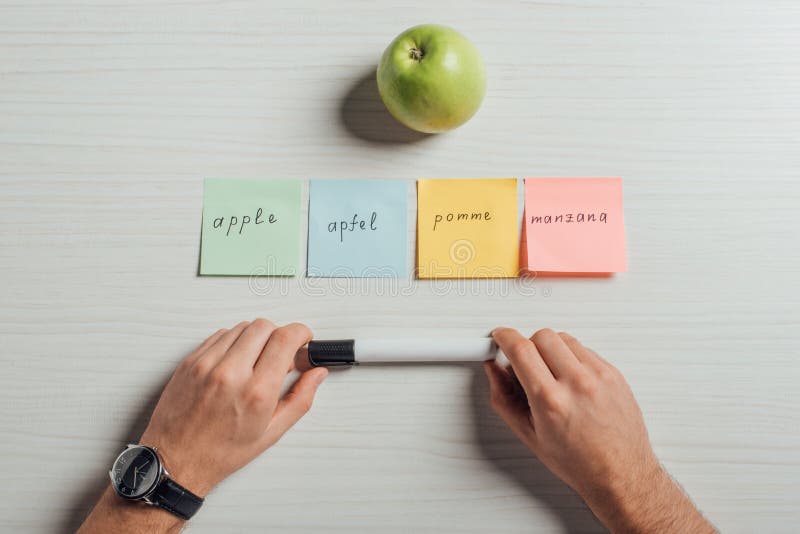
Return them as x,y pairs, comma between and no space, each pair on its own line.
135,472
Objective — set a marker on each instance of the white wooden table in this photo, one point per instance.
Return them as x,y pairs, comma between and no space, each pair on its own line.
112,113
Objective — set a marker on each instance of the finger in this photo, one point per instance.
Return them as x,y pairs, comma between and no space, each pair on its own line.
301,362
528,365
555,353
247,348
295,404
211,357
586,355
210,340
506,400
505,394
278,354
602,362
516,384
575,346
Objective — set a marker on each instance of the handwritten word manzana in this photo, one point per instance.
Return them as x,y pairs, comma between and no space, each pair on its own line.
569,218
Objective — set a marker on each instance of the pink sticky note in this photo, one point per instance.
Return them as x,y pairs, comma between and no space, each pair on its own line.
574,225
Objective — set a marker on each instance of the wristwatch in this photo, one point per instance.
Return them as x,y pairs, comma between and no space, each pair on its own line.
138,474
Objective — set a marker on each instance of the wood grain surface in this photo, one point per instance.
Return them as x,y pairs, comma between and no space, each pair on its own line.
112,113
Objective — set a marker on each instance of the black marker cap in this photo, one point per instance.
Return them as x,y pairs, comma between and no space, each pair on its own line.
332,353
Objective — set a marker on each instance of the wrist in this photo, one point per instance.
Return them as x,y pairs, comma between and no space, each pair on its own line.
182,467
623,502
636,503
651,501
114,514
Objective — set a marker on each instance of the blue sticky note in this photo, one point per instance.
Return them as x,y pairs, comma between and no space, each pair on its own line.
358,228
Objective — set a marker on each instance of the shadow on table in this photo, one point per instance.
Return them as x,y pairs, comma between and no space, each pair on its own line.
363,115
84,498
502,448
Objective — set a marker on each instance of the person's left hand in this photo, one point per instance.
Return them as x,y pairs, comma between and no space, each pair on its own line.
222,407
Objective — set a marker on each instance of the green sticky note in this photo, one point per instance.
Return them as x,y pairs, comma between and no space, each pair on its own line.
251,227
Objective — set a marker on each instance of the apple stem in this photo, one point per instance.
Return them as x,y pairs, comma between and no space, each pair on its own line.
416,54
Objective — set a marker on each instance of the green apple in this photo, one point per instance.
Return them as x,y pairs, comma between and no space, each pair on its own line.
431,78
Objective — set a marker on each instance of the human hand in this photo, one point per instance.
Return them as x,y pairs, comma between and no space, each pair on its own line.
222,407
577,414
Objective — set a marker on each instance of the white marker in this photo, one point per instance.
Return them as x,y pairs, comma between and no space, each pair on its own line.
354,352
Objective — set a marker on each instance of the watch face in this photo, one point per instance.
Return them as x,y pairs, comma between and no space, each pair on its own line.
135,472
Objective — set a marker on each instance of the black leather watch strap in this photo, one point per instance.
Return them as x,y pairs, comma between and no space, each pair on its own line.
176,499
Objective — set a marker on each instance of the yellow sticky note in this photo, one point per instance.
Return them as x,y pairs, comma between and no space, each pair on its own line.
467,228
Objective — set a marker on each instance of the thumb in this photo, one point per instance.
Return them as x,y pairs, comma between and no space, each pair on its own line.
295,403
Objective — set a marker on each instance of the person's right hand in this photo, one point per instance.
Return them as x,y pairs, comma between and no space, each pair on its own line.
577,414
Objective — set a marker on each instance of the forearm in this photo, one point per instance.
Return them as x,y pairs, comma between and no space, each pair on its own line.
113,514
655,504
